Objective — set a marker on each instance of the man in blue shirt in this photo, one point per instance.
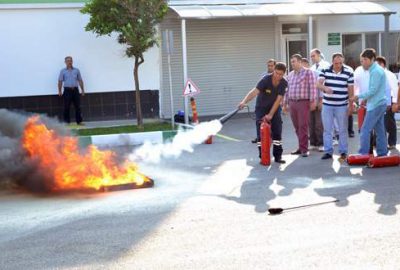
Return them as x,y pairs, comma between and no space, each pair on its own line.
376,105
70,77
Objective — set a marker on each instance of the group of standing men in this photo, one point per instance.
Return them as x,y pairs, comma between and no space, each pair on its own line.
321,101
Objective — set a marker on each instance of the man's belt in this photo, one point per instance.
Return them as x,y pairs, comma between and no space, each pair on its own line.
298,99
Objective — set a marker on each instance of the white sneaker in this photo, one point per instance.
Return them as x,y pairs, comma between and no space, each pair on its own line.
335,142
321,149
312,147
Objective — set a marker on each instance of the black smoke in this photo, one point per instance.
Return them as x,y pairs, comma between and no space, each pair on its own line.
17,169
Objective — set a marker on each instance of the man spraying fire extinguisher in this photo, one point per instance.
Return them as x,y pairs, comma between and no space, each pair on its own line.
270,91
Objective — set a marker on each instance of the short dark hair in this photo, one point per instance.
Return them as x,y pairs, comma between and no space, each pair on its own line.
369,53
316,50
280,66
305,60
337,54
271,61
381,60
297,56
66,57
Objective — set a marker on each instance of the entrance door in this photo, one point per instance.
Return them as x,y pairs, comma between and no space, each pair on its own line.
295,45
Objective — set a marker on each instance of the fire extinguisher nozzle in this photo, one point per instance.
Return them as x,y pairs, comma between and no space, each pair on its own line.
228,116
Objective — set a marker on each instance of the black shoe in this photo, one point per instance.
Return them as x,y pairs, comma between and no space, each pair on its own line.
304,154
280,161
343,157
351,134
326,156
254,141
297,152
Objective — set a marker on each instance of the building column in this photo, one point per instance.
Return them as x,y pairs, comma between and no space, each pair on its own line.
185,69
310,33
385,36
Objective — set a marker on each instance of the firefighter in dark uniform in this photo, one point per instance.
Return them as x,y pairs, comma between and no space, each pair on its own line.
270,91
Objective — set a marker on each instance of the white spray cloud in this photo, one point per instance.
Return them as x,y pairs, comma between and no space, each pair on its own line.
185,140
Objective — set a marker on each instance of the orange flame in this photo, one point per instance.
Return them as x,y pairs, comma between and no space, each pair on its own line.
61,159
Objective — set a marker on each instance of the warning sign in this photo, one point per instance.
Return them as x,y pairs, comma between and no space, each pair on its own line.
190,89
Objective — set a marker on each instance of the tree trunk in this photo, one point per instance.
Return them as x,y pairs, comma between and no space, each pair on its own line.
139,116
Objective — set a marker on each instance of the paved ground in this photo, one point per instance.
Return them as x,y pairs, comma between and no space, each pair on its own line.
208,210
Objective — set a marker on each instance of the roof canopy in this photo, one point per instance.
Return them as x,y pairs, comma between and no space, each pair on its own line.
207,11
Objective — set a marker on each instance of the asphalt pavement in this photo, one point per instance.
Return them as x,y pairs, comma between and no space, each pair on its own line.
208,210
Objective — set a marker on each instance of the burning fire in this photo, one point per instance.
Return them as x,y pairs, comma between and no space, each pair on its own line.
61,159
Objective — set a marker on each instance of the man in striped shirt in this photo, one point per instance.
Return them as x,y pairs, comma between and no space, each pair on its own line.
301,98
336,83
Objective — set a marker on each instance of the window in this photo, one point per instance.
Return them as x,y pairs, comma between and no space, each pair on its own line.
393,56
351,48
372,41
294,28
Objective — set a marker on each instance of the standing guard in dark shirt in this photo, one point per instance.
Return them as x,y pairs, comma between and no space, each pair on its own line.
270,91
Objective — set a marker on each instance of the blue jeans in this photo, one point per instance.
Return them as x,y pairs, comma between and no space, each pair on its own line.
374,120
329,114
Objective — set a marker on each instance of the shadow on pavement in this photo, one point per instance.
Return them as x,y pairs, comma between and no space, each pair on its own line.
325,178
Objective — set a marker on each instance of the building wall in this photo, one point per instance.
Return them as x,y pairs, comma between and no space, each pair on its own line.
353,24
226,58
95,106
34,43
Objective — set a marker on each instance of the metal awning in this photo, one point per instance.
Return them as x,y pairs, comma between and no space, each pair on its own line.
207,11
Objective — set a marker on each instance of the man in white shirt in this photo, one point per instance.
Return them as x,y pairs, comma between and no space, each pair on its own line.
316,128
391,102
398,92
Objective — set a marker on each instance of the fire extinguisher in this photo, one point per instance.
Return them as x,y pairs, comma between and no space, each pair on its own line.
265,132
358,159
385,161
361,115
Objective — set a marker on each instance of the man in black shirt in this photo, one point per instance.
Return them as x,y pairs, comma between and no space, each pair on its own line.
270,91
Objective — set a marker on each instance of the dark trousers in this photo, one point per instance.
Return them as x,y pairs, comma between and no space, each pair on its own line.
350,128
391,128
276,130
71,95
316,129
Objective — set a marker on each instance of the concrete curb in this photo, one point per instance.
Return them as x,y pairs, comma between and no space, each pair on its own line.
125,139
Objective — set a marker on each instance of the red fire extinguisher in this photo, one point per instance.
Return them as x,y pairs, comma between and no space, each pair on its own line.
265,132
361,115
358,159
385,161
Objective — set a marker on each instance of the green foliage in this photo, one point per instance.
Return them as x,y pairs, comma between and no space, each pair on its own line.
135,23
133,20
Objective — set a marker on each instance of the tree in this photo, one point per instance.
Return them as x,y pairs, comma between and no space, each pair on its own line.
135,23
